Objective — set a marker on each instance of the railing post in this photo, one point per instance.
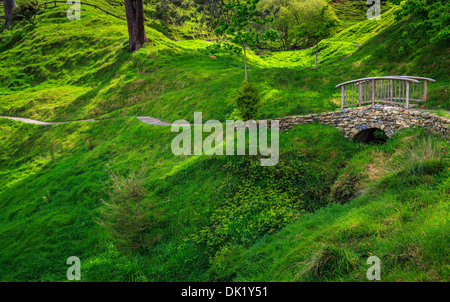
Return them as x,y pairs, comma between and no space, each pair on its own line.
425,90
55,3
407,94
420,91
342,97
373,92
392,90
360,95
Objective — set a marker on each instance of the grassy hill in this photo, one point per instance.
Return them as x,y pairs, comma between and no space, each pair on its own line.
336,201
67,74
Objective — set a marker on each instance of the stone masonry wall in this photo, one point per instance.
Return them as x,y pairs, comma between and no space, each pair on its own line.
387,118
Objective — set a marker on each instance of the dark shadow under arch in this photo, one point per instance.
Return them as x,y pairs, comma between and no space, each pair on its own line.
371,135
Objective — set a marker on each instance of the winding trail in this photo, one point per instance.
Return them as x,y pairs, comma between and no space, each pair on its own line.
152,121
145,119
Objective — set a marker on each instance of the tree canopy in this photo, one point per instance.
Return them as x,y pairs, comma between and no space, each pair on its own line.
431,17
299,23
241,26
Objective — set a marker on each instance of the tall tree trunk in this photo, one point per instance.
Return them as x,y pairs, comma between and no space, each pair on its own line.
8,6
317,51
135,19
245,60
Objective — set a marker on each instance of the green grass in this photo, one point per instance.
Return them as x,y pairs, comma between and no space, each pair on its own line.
54,177
61,173
353,11
401,219
61,194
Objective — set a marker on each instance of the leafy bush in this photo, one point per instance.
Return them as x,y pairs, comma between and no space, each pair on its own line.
299,24
252,212
127,215
26,11
168,12
430,17
259,200
221,48
247,101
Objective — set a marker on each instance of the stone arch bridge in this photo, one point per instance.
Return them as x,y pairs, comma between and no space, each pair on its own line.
391,99
361,122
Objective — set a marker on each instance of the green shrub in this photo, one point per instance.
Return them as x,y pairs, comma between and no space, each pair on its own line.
26,11
247,101
221,48
258,200
250,213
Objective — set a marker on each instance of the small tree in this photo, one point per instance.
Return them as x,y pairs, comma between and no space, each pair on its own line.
26,11
240,27
318,26
247,101
127,215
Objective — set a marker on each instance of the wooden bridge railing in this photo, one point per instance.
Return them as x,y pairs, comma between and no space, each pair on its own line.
399,90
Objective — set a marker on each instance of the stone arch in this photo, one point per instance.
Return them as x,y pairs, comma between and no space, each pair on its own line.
351,121
368,135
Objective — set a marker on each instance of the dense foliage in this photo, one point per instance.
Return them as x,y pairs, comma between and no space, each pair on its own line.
257,202
170,12
430,17
26,11
300,24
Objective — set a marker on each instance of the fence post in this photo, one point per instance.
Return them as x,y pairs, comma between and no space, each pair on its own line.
342,97
360,94
55,2
392,90
407,94
373,92
425,90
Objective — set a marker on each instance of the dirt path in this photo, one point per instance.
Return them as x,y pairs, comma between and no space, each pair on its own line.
152,121
145,119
